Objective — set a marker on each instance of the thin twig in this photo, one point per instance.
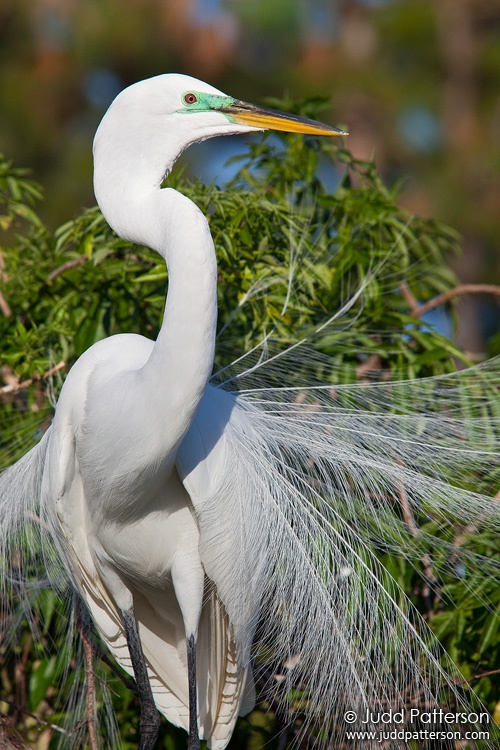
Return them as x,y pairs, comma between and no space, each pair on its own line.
483,674
410,522
409,297
372,364
80,261
130,684
89,672
407,513
66,267
21,677
418,310
467,680
5,307
38,719
16,387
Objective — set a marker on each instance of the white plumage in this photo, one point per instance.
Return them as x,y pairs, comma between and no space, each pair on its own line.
208,512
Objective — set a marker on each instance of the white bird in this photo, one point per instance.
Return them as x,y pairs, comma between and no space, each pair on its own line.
186,515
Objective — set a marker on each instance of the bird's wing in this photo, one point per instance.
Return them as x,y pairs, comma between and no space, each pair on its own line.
223,688
211,464
162,642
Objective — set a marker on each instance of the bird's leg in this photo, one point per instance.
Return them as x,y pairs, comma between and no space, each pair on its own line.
194,739
188,578
150,719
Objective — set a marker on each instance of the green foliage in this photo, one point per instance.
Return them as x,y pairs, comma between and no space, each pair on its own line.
290,252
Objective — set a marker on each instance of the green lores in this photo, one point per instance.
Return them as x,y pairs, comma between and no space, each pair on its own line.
262,118
196,101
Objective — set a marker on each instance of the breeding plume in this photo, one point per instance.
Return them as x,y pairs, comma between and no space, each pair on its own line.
204,524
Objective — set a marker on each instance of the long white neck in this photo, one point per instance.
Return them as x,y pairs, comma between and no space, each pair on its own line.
127,188
182,358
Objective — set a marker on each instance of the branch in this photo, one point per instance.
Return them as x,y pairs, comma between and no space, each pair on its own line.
66,267
466,681
20,671
38,719
10,738
89,672
410,522
484,674
409,297
371,365
418,310
5,307
130,684
97,651
16,387
80,261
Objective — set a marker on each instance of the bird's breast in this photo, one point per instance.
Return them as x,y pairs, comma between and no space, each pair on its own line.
143,548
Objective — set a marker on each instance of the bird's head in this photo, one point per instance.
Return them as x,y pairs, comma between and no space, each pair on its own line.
194,110
150,123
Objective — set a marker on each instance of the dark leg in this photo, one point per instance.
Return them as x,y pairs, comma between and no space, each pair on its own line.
150,720
194,739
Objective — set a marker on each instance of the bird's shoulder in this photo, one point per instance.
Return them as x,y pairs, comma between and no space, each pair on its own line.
120,352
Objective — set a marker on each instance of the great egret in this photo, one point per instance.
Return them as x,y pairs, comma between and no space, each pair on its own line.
186,515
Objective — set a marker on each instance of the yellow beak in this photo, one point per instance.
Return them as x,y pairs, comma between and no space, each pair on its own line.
271,119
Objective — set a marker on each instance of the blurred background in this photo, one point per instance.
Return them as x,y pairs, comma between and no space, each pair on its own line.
415,81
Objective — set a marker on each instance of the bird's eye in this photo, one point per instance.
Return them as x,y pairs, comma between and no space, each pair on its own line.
190,98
